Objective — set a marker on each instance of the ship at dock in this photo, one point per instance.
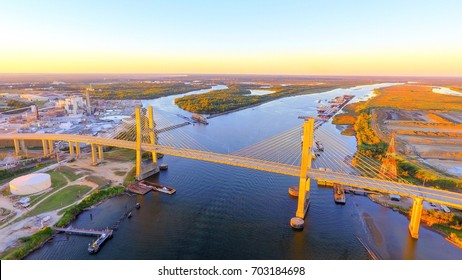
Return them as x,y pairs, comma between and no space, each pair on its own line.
94,247
339,194
143,187
199,119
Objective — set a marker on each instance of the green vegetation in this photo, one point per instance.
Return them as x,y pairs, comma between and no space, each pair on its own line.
4,211
344,119
100,181
58,180
130,177
141,90
348,132
94,198
414,97
9,174
364,131
59,199
238,96
419,176
120,173
117,154
15,104
69,173
29,244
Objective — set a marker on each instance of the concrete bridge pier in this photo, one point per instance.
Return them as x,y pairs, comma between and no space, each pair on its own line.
93,155
16,147
100,153
304,185
45,148
22,145
77,149
416,214
71,149
50,147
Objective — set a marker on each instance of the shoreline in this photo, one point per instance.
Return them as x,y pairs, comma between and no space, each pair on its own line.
399,209
15,252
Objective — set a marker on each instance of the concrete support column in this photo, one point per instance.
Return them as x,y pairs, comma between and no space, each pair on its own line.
152,137
93,154
22,145
77,149
50,147
138,143
304,185
100,153
16,147
71,149
45,148
414,224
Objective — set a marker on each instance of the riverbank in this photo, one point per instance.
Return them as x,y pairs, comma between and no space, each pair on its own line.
31,243
28,222
238,97
404,207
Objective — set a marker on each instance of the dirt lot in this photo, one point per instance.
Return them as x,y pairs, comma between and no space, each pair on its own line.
433,136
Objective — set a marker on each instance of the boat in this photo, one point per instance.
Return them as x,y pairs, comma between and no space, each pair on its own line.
339,194
163,166
94,247
129,215
137,205
159,187
199,119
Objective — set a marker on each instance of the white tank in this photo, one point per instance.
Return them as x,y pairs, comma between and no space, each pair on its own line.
30,184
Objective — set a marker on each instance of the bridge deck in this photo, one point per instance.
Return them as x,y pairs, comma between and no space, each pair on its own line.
448,198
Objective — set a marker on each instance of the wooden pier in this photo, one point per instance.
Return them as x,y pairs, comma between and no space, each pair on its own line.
81,231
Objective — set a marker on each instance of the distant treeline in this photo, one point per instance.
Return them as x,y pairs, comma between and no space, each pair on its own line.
238,96
135,90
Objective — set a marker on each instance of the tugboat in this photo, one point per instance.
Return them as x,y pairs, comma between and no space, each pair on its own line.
339,194
94,247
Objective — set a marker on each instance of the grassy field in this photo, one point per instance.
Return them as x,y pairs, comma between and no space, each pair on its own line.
414,97
120,155
60,199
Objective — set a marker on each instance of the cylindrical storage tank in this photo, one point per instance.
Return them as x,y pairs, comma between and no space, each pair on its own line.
30,184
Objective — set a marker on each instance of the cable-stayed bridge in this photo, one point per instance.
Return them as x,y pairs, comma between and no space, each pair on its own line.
289,153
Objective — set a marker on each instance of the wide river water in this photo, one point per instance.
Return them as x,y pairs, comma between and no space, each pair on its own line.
224,212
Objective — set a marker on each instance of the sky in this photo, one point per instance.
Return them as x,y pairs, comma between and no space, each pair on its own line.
304,37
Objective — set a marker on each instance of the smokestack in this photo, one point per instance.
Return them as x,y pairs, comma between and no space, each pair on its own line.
89,112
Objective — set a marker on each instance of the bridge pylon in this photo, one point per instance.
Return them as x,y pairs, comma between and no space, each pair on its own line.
416,214
152,136
304,185
145,129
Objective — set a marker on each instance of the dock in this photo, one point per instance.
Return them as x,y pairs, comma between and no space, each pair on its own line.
81,231
172,127
139,188
93,247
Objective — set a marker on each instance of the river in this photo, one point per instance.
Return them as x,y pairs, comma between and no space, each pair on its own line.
225,212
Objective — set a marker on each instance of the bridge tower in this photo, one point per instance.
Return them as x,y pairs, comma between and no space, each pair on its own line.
389,167
141,171
304,185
